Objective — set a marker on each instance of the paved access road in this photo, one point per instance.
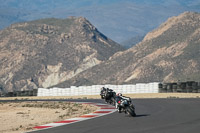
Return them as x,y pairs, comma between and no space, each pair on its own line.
153,116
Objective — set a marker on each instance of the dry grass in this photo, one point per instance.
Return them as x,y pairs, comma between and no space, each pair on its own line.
23,116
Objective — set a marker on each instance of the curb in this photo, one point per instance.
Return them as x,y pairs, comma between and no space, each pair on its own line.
105,109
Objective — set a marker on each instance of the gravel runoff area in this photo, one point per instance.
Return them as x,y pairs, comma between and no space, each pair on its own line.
18,117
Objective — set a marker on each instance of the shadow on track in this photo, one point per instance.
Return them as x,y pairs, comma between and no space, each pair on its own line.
143,115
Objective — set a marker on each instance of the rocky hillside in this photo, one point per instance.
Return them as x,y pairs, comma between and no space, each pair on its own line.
47,52
169,53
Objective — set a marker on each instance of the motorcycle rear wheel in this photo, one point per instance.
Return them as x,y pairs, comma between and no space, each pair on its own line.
112,101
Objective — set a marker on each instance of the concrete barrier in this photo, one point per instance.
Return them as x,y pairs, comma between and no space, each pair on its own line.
155,87
95,89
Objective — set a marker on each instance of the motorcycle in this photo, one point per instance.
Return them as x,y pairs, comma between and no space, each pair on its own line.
125,105
108,95
122,103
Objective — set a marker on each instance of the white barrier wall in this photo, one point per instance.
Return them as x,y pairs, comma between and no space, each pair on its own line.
95,89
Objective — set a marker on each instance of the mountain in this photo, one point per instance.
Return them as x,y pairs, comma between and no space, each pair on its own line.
45,52
119,20
169,53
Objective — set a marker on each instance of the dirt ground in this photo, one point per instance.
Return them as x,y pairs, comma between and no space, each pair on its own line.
23,116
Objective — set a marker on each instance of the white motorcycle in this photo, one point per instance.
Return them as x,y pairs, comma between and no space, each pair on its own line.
125,105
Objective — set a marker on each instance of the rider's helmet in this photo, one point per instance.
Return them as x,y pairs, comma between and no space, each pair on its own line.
119,94
103,88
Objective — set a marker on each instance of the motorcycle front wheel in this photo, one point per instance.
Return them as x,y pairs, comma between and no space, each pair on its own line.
130,111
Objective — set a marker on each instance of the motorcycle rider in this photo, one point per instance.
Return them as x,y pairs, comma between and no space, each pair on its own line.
108,95
102,93
118,101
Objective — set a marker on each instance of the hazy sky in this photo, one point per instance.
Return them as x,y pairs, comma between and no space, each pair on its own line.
120,20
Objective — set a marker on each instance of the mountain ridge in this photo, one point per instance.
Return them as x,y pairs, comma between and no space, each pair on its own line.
167,54
72,52
46,52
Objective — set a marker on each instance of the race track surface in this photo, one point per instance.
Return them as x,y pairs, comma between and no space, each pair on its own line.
153,116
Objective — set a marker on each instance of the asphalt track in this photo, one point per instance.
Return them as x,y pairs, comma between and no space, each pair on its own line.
153,116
